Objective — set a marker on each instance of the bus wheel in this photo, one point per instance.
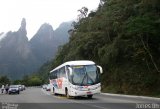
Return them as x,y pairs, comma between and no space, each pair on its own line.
67,94
90,96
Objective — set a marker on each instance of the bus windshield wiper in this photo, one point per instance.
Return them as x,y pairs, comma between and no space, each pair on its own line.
83,78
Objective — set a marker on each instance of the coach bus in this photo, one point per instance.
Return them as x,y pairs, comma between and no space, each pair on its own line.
76,78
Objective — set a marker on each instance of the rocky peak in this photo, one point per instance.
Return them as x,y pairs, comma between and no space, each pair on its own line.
44,34
22,29
46,29
45,26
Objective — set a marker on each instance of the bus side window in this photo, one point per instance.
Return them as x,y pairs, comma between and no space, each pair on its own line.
55,74
62,72
51,75
58,74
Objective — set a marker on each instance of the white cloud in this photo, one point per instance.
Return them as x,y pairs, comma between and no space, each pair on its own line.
38,12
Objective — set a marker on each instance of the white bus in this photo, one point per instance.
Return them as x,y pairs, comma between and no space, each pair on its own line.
76,78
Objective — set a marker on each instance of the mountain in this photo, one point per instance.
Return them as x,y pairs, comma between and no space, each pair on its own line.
42,44
15,54
19,56
60,33
46,41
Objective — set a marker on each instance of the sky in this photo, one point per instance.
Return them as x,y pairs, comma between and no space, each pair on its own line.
38,12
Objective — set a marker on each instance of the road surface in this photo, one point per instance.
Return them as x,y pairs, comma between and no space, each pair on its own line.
37,98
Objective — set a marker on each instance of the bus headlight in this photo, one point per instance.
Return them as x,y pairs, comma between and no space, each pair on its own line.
74,87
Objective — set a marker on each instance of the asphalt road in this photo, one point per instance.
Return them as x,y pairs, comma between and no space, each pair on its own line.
37,98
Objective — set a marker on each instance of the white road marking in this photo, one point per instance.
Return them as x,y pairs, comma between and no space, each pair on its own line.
130,96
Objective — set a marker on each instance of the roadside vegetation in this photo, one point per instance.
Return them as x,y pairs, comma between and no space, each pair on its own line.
4,80
32,80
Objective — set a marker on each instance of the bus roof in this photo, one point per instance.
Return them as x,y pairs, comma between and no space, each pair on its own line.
72,63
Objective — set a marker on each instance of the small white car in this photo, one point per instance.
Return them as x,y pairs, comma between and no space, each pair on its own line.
23,87
48,87
44,86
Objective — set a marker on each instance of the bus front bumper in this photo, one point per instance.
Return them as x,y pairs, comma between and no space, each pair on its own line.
84,93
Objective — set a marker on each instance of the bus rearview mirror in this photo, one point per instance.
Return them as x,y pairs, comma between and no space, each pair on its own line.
100,68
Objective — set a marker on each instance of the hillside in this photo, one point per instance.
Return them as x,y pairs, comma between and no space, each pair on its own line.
123,37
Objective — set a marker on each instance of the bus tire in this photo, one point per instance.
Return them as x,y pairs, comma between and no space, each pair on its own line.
67,94
90,96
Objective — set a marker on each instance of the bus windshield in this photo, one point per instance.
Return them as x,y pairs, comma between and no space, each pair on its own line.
85,75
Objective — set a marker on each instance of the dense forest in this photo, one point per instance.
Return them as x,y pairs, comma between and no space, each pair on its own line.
123,36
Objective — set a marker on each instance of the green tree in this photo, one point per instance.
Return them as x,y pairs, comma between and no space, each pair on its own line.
83,12
4,80
16,82
25,80
35,81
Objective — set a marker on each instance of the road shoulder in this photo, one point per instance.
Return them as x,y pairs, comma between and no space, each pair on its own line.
130,96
